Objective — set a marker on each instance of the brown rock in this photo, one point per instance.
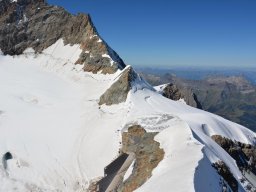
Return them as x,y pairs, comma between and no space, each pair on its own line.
147,152
175,92
35,24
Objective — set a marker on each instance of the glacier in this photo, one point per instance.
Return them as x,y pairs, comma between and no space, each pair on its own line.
60,138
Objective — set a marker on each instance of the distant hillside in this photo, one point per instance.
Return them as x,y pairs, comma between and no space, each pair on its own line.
196,73
232,97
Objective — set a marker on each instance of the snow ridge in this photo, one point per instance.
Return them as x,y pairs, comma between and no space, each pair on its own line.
52,125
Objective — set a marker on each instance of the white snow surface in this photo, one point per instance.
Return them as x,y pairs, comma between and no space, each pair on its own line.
129,171
186,140
160,88
182,101
60,138
51,122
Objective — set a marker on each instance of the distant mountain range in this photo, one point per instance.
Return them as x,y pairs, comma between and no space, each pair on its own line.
232,97
199,73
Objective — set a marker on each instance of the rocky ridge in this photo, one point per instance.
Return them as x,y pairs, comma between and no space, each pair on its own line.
227,176
141,153
148,155
176,92
119,89
243,154
38,25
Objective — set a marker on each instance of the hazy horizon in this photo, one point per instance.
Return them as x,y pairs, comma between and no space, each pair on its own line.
200,73
205,67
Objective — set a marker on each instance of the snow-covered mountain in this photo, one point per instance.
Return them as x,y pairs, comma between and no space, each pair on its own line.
74,117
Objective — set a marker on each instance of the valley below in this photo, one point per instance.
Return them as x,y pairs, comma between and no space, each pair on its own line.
232,97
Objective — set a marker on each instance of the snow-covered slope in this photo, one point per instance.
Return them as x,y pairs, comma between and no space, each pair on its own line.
67,100
60,138
51,123
185,135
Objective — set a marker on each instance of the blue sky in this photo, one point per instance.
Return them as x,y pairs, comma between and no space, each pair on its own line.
167,33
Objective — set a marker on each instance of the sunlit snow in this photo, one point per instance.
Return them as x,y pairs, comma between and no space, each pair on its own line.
61,139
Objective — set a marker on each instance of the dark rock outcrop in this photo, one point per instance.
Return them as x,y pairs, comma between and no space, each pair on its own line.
7,156
175,92
36,24
138,146
244,154
148,155
118,91
225,173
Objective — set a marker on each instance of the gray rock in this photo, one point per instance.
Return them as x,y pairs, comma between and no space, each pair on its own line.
118,91
176,92
35,24
224,171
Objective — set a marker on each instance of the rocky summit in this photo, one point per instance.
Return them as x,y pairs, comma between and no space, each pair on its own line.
38,25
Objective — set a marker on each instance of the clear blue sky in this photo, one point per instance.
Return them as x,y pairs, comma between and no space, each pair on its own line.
166,33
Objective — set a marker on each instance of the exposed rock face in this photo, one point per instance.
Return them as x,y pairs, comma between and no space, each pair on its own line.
224,171
118,91
147,152
175,92
35,24
242,153
140,147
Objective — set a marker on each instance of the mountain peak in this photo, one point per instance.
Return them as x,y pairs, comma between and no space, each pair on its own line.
35,24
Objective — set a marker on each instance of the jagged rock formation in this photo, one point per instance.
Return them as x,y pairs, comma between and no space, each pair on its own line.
244,154
175,92
35,24
138,146
147,152
118,91
225,173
